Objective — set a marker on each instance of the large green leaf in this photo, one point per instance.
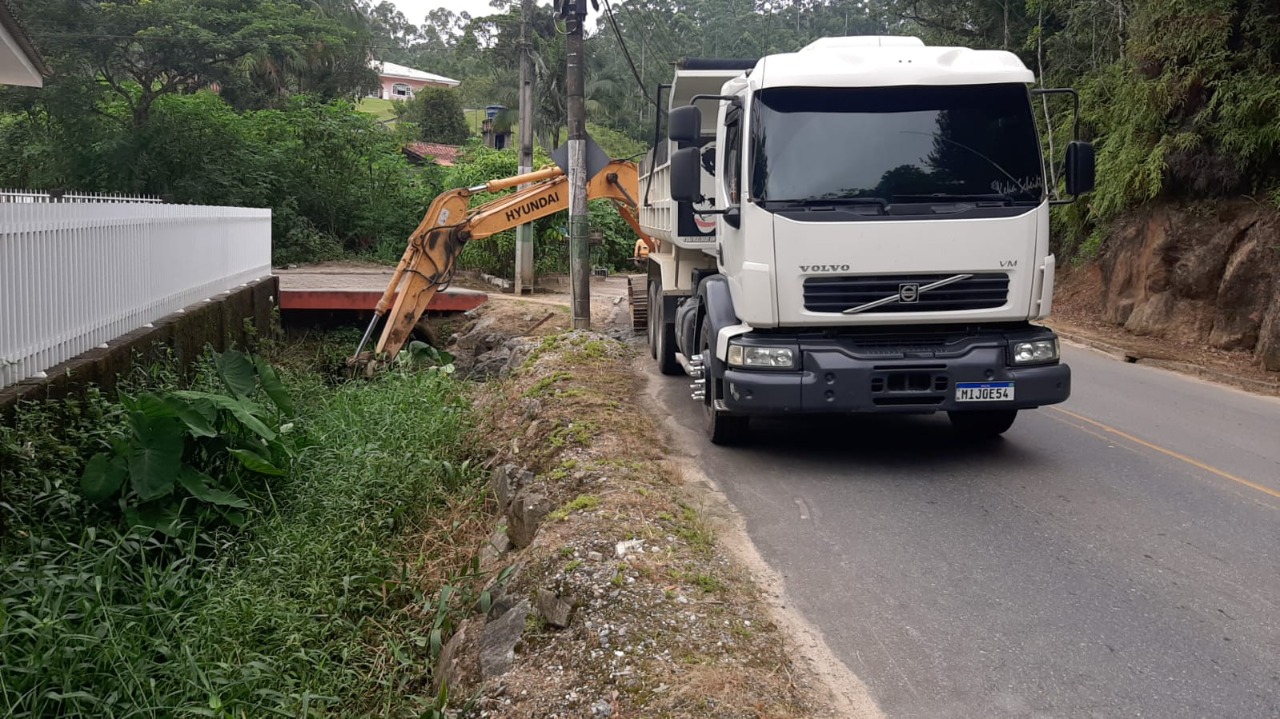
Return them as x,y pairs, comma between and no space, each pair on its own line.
162,518
197,414
245,411
274,387
155,454
103,476
197,483
256,462
150,404
237,372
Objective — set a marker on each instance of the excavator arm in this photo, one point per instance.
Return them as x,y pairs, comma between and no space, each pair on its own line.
450,223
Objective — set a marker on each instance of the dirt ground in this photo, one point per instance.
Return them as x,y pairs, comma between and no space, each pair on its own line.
1077,313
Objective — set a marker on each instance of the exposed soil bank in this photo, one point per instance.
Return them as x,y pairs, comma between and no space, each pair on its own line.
1202,275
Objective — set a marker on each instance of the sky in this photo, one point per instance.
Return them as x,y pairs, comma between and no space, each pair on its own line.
415,10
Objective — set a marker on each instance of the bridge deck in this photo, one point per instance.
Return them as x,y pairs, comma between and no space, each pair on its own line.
347,287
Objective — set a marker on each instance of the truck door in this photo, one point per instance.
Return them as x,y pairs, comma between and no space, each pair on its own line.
729,239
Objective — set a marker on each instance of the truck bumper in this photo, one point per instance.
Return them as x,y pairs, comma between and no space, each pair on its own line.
833,381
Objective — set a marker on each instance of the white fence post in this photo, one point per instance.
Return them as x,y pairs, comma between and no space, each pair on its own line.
78,271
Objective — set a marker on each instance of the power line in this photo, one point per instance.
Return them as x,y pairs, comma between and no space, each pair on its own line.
644,39
627,54
670,46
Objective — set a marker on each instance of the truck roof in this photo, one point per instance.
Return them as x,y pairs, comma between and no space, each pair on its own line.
880,61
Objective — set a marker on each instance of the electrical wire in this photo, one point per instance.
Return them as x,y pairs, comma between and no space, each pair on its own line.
669,46
627,54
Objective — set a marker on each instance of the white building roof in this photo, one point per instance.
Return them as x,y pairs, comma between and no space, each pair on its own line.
390,69
20,64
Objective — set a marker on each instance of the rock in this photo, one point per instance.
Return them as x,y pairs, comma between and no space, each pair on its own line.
532,429
602,709
531,408
526,513
1243,295
520,348
554,610
498,641
499,544
500,601
490,365
449,666
594,556
505,481
1268,350
471,339
632,545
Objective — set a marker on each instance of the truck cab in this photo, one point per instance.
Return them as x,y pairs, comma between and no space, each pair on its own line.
865,229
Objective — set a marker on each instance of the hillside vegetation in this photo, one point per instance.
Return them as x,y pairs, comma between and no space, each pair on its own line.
1182,97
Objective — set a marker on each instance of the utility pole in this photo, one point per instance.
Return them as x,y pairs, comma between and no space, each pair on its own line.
579,257
524,233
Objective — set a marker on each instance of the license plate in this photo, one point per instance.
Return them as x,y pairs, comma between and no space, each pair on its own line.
984,391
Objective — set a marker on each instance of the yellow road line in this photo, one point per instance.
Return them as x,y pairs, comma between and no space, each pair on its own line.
1155,447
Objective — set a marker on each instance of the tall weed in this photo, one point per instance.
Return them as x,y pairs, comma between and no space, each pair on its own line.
304,611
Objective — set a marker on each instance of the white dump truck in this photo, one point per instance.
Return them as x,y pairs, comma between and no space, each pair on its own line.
858,226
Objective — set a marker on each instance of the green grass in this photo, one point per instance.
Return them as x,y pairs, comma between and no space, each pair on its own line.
377,107
307,611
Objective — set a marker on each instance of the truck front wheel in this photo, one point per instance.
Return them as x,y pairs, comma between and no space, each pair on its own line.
722,428
982,423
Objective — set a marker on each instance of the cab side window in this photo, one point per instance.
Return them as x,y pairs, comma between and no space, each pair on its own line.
733,155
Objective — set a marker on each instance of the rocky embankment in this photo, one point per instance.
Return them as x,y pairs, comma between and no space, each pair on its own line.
1205,275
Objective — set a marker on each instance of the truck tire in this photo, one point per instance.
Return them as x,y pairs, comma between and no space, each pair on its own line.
722,428
982,423
664,335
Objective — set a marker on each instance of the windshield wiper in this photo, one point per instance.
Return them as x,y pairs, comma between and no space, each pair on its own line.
831,201
959,197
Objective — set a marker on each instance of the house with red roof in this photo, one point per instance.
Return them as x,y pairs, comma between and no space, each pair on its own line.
420,152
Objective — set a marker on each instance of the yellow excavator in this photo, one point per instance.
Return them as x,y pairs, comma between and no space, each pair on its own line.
427,264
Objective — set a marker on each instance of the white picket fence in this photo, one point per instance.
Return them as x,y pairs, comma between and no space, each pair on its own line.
76,274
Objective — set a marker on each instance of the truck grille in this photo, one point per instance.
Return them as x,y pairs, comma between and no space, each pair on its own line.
982,291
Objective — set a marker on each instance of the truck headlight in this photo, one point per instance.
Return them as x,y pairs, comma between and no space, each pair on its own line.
767,357
1035,352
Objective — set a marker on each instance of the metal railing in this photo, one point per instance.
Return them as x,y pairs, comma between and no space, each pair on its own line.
77,274
30,196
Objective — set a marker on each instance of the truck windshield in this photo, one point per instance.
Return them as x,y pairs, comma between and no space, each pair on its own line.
895,144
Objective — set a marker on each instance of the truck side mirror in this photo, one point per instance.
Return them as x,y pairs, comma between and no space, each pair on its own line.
1080,167
686,175
684,125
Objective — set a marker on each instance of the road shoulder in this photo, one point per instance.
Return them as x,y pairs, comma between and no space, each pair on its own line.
615,583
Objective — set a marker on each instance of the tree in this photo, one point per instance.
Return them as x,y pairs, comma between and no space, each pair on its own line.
437,112
255,51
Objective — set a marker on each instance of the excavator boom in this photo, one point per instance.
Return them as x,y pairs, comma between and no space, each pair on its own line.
450,223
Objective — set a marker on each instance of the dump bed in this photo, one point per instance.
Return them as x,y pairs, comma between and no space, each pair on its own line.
659,215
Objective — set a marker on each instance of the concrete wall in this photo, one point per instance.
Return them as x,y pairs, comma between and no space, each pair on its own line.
220,323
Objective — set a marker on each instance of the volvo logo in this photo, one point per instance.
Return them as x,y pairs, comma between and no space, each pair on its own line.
908,292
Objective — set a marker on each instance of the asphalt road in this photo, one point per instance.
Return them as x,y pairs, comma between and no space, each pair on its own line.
1116,556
